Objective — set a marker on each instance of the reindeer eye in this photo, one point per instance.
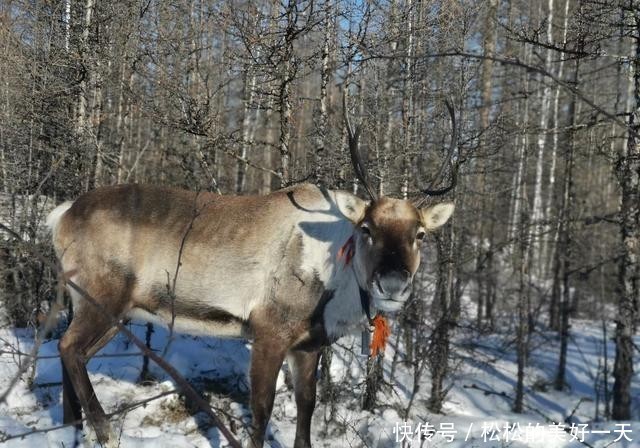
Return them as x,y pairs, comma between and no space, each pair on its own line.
420,236
365,230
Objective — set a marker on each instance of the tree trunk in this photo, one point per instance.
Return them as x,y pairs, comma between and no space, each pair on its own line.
66,19
550,248
407,103
389,99
520,223
483,257
320,168
270,137
82,96
517,197
284,91
98,123
372,382
4,118
537,212
628,174
523,297
564,245
122,120
442,310
247,124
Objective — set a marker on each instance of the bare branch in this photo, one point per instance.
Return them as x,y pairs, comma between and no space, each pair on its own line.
516,62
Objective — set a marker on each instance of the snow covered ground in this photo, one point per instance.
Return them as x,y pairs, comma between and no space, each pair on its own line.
477,411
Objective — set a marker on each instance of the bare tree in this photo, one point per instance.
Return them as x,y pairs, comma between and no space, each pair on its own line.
628,174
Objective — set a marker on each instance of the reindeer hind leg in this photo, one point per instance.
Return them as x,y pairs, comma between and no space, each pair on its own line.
89,331
71,407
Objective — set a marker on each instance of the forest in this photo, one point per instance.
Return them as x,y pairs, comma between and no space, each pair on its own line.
525,114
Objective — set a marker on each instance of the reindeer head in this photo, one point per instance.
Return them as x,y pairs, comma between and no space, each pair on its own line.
387,248
390,232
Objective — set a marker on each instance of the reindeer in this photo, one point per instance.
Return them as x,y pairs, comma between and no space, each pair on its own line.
293,271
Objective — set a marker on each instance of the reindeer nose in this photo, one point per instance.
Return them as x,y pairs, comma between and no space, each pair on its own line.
393,282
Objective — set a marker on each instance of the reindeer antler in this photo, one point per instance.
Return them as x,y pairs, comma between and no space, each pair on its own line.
356,160
429,191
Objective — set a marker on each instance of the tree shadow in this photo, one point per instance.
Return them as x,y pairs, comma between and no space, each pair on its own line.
215,367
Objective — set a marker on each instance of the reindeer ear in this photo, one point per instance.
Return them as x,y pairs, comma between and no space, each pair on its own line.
436,216
350,206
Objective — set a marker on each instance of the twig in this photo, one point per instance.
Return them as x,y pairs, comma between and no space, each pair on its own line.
575,409
249,163
172,286
212,179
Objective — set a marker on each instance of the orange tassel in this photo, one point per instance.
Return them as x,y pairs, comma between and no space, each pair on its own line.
381,333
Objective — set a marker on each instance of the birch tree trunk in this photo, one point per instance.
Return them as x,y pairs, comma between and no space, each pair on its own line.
323,118
549,244
6,108
517,197
247,125
97,121
407,104
537,211
82,97
270,138
66,18
390,100
284,91
123,121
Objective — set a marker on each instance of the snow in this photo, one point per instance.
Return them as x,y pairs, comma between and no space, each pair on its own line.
475,407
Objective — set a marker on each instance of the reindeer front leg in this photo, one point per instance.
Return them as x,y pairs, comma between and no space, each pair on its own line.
266,359
304,366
